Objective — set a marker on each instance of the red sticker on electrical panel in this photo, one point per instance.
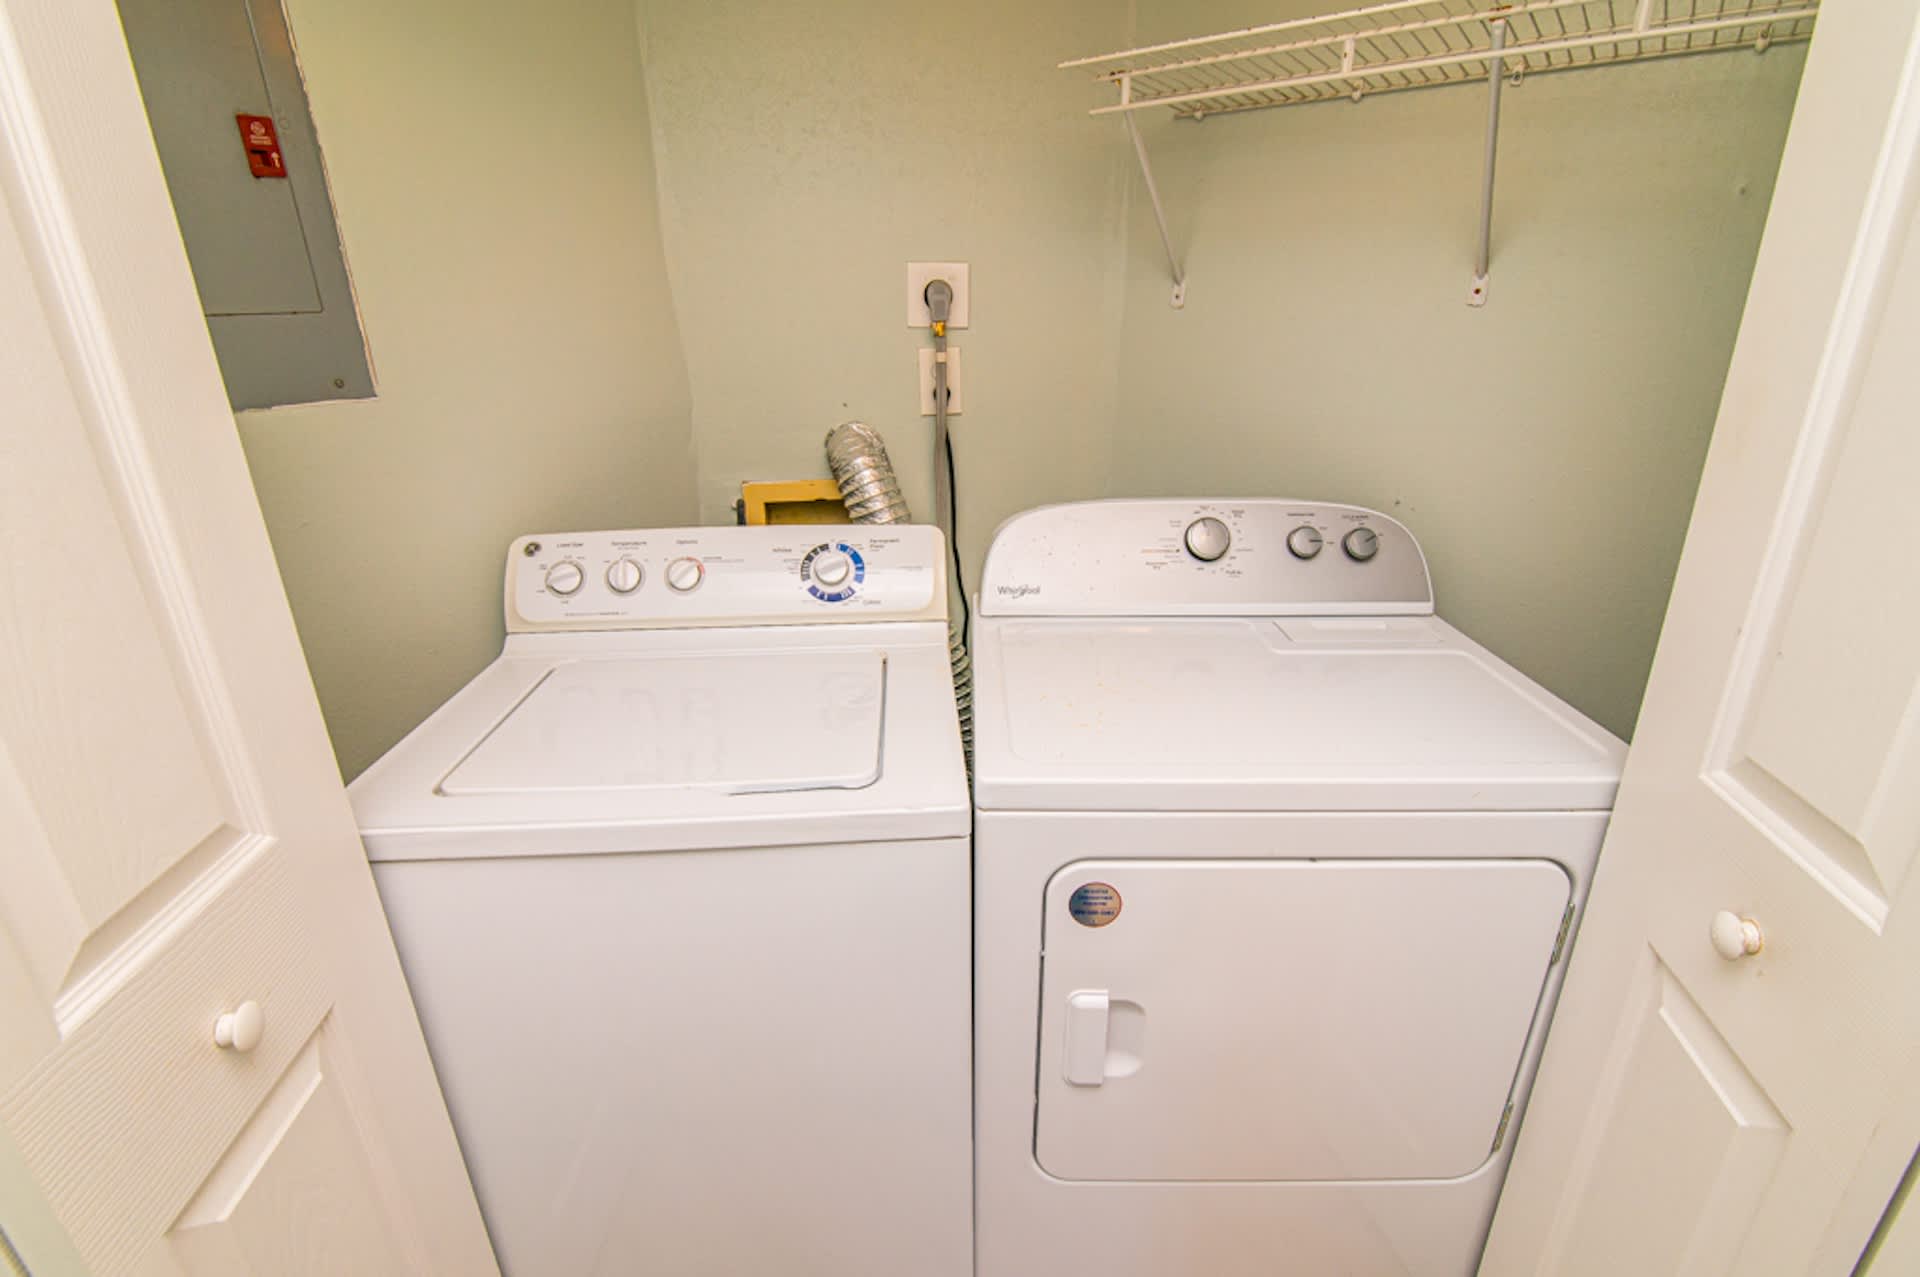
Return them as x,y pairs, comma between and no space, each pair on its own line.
262,143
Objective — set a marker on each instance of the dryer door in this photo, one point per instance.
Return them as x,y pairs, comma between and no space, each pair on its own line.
1287,1019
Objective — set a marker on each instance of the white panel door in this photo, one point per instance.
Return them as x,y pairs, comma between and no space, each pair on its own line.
175,845
1287,1019
1704,1113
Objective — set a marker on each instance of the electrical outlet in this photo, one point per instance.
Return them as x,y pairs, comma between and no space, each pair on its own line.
926,381
918,275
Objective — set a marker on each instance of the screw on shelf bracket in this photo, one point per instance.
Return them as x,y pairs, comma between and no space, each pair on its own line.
1179,298
1477,295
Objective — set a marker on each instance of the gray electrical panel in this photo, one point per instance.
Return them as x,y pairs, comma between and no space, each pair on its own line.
230,119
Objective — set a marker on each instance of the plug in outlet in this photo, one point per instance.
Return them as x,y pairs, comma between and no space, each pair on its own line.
918,275
926,381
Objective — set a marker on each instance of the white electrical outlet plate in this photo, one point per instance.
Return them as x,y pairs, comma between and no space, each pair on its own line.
918,276
926,381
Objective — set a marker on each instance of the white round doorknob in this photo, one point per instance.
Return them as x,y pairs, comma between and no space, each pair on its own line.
1735,937
241,1028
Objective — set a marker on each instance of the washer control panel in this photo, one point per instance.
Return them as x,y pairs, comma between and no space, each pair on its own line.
683,577
1204,558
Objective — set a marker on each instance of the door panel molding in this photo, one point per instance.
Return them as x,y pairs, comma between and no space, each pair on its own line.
1775,775
82,954
1834,846
234,872
1731,1136
155,1040
1827,853
116,951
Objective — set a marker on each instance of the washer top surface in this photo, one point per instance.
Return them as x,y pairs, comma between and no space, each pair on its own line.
755,707
1299,683
687,721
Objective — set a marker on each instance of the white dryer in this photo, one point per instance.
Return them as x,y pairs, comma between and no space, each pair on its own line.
680,885
1274,877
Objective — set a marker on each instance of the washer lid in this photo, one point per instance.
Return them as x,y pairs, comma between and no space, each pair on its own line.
732,724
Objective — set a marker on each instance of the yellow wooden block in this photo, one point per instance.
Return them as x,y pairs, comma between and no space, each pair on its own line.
793,501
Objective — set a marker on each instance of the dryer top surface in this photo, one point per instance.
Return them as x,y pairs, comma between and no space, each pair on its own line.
1303,713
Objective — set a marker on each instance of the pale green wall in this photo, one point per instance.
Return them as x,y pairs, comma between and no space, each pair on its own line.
807,152
527,329
1545,449
490,166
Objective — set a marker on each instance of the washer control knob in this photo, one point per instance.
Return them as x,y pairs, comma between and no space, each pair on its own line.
624,576
1208,539
1361,544
1304,541
685,575
565,577
832,568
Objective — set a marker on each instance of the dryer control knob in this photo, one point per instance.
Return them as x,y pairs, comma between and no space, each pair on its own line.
684,575
1208,539
624,576
832,568
1305,542
1361,544
565,577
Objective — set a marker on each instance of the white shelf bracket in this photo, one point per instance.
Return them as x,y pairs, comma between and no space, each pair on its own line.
1179,298
1477,295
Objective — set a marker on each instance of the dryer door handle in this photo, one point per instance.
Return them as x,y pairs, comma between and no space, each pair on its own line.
1086,1050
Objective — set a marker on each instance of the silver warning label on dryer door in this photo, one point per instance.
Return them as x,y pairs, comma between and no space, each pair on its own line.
1094,904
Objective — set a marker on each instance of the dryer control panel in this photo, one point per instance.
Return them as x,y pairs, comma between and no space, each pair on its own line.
1261,557
673,578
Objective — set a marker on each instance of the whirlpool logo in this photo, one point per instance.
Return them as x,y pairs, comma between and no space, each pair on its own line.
1015,591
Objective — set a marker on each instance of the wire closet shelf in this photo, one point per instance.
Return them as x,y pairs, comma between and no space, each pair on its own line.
1413,44
1417,44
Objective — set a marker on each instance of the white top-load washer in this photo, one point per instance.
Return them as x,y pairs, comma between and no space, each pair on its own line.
1274,876
680,885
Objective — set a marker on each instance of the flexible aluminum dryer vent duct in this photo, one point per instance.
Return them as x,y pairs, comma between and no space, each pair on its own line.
858,458
857,455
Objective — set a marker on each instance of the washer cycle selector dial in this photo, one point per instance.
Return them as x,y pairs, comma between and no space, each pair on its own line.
1304,541
684,575
565,577
832,570
1208,539
1361,544
624,576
